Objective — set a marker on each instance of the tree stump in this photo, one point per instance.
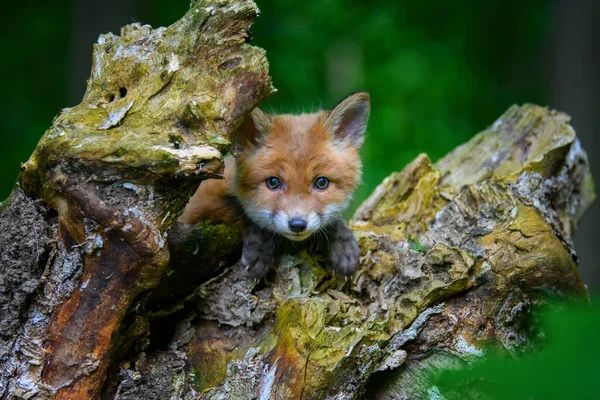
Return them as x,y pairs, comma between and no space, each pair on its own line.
86,227
454,256
99,301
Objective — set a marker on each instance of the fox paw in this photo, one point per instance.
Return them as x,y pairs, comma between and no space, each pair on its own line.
344,255
257,267
256,257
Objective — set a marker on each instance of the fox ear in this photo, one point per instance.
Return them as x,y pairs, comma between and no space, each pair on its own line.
348,120
255,126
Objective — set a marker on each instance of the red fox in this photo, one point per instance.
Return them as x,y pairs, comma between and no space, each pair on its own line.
290,179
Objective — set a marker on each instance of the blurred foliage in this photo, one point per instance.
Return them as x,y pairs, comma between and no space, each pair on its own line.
438,72
564,367
34,48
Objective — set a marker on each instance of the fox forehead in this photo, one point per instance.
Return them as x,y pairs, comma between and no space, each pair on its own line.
300,134
298,149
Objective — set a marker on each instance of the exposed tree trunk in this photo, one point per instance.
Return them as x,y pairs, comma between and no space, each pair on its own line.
85,230
454,254
454,257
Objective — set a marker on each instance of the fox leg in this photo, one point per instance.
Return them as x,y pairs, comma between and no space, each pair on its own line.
258,253
343,252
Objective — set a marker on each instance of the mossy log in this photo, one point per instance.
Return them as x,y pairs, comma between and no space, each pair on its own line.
84,231
455,256
95,304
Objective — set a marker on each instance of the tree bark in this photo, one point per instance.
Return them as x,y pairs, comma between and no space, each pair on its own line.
85,229
94,303
455,256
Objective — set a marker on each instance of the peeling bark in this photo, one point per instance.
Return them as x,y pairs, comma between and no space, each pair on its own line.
101,298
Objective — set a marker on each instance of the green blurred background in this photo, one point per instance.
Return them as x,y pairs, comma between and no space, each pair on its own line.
438,71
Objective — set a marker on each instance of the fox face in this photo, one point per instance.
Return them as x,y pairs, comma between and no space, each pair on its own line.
295,174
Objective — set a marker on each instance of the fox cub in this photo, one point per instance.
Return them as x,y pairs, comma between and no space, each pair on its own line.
290,179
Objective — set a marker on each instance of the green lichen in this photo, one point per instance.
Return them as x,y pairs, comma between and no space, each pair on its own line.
508,149
415,245
427,235
155,107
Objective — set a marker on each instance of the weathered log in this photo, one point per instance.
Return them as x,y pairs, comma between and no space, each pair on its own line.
84,230
454,255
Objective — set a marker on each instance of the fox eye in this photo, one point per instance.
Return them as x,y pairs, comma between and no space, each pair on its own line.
321,183
273,182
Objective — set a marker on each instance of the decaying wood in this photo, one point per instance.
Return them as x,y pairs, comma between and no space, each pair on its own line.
454,257
85,228
93,304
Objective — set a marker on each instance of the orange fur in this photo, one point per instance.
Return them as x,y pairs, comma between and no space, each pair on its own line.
210,200
297,149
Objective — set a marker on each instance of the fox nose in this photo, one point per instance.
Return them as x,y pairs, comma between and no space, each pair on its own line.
297,224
